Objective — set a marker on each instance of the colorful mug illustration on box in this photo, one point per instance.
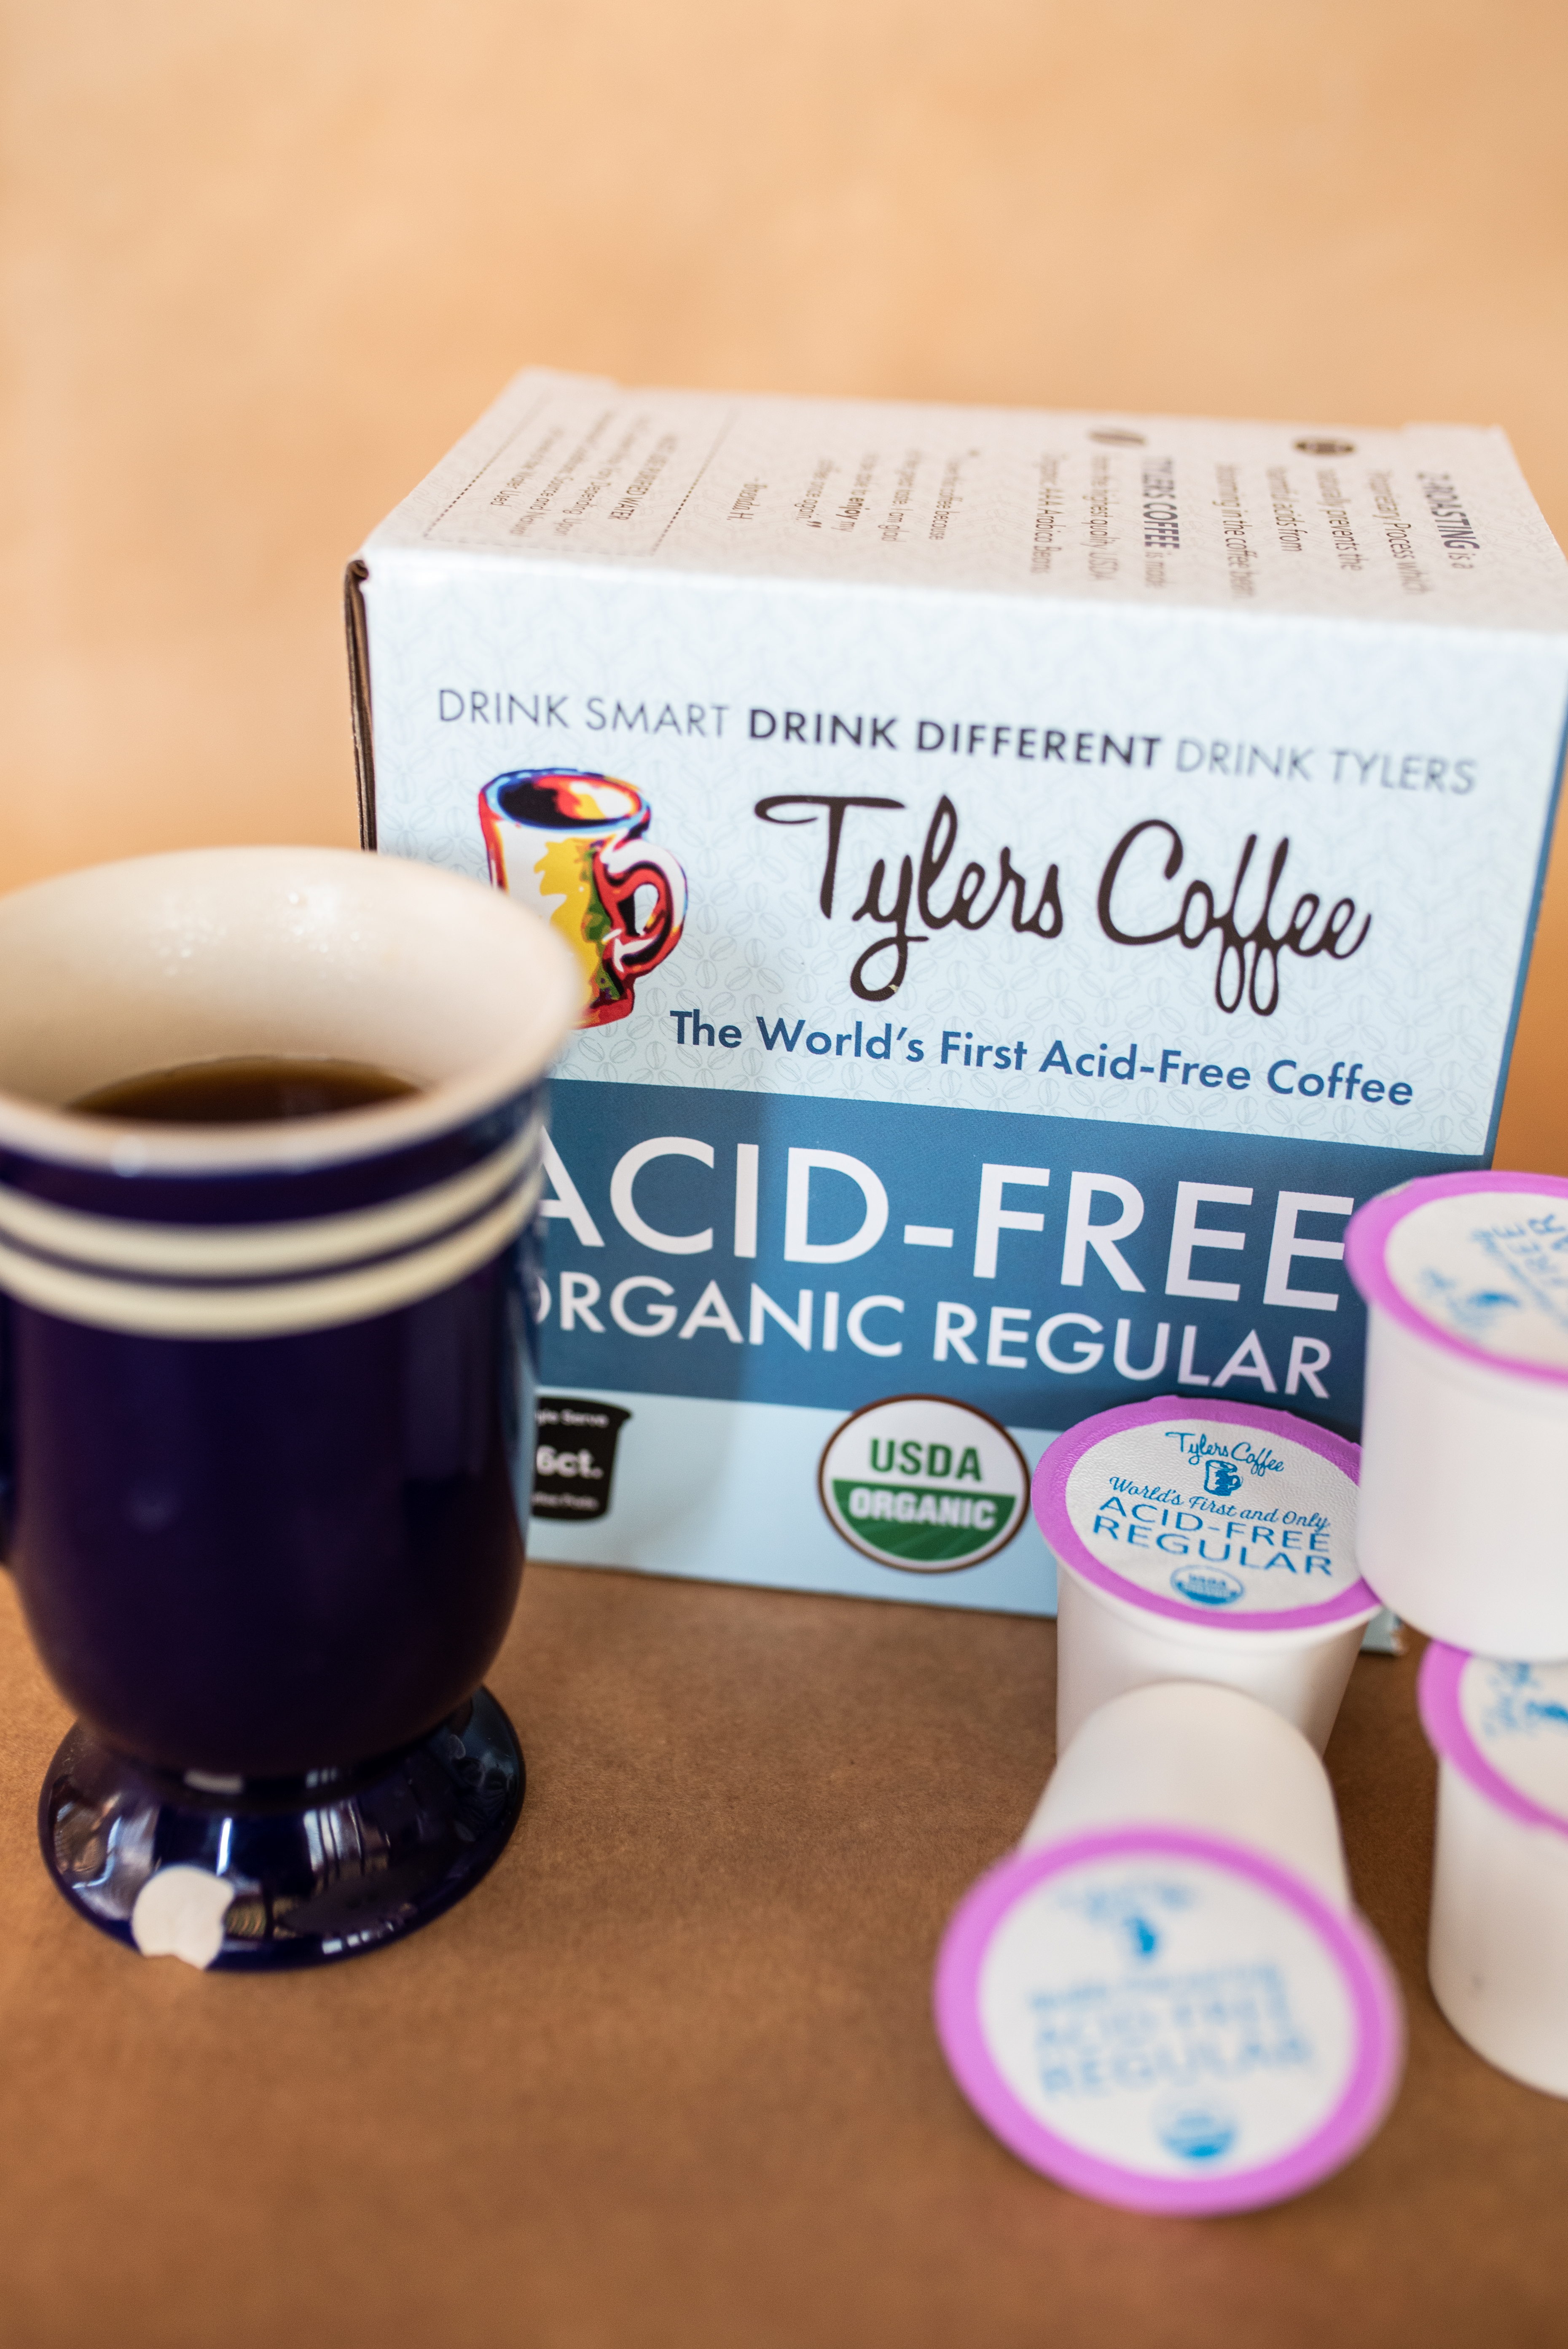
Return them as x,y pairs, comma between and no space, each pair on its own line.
571,844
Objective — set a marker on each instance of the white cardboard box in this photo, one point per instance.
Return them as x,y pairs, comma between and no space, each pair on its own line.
1110,849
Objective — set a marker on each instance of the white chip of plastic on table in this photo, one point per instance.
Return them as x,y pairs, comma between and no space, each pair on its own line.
180,1913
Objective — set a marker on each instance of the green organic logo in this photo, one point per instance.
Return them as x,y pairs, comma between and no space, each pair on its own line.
920,1528
924,1484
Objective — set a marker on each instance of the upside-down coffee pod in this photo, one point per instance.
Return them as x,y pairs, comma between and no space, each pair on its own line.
1498,1952
1203,1540
1164,2015
1465,1424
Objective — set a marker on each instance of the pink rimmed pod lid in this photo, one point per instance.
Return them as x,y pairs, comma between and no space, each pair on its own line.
1168,2021
1209,1512
1505,1726
1475,1265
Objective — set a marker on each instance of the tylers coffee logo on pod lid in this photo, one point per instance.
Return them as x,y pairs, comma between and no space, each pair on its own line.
1168,2021
1505,1726
1478,1262
1212,1511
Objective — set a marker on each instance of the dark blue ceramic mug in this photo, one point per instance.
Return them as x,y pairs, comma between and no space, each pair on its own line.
267,1405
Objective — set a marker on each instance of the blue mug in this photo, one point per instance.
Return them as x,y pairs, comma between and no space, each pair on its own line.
266,1408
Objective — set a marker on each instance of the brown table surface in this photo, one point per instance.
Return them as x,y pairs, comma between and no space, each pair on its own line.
668,2076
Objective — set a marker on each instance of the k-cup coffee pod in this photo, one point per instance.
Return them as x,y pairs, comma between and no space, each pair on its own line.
1193,1754
1498,1953
1465,1424
1164,1998
1203,1541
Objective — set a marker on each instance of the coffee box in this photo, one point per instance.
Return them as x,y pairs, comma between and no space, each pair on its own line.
1035,876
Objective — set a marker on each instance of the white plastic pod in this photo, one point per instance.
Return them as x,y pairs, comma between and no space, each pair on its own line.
1163,1998
1465,1421
1187,1754
1498,1948
1204,1540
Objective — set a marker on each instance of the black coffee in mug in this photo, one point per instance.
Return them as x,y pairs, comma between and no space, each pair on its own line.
245,1089
266,1380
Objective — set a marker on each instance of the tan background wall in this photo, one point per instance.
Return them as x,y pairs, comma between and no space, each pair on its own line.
259,265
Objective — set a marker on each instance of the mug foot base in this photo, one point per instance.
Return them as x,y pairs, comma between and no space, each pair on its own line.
312,1881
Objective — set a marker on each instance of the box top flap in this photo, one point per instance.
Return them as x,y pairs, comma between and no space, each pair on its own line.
1430,523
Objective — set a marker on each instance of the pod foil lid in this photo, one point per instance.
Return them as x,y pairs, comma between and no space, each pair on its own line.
1204,1511
1504,1725
1168,2021
1477,1264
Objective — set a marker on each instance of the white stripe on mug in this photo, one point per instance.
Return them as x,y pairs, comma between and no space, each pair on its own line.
279,1310
204,1251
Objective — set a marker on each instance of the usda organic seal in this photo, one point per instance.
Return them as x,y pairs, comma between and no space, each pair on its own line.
925,1483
